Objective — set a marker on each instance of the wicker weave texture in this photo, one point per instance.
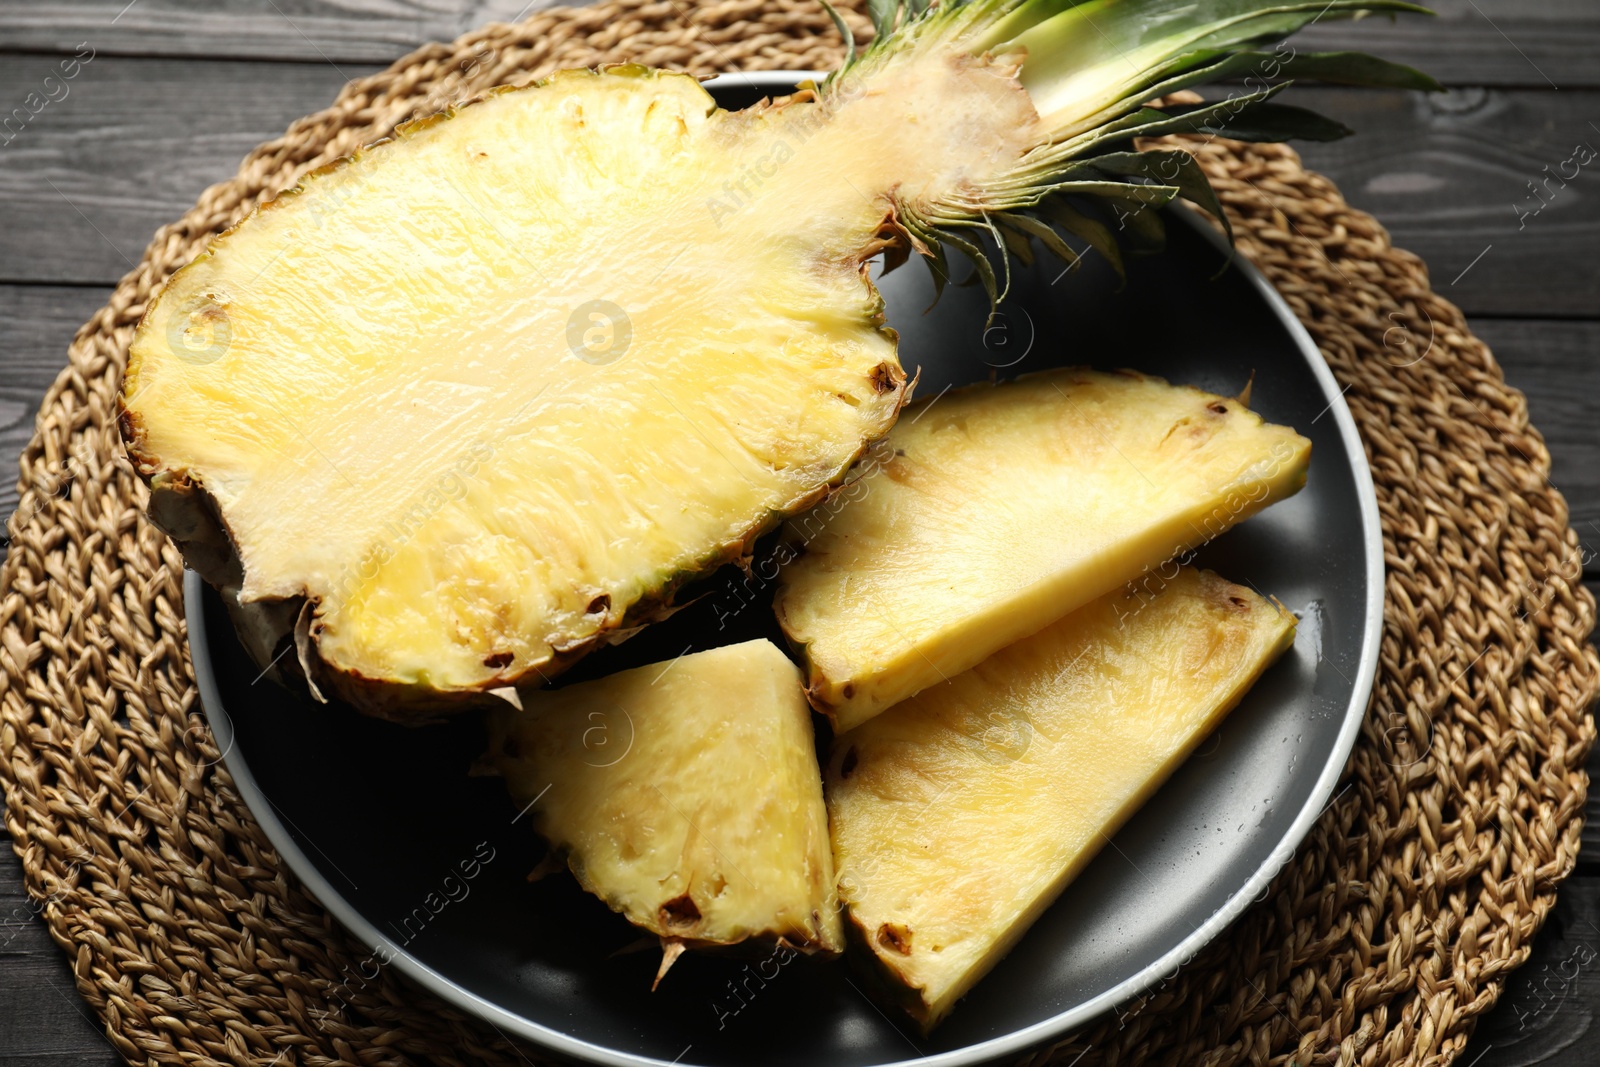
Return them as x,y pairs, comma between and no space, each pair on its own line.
1391,929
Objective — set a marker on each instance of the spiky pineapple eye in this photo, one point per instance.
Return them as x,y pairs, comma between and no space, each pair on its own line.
896,938
680,913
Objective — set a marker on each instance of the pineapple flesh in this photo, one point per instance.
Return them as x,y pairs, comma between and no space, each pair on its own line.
686,795
1086,479
466,405
961,814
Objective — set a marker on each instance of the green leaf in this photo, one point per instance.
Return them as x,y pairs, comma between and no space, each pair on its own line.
1090,231
1274,122
1182,118
1156,195
1005,263
1088,62
1029,226
1138,225
938,266
1017,244
1257,68
882,13
1172,167
1335,68
849,38
980,263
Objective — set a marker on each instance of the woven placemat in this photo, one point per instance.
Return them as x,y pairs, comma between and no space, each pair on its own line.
1392,928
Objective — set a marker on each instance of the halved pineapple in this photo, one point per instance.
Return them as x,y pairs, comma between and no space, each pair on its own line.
959,815
686,795
457,409
999,509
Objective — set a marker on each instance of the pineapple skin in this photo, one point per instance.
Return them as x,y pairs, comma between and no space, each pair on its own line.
686,795
1088,479
961,814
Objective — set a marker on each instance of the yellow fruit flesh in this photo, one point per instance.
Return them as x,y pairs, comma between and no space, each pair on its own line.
1001,509
398,390
959,815
686,795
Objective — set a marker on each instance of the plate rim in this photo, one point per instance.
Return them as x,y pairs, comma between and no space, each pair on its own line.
268,816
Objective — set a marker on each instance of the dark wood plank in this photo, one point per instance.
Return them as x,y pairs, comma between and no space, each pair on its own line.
136,140
1452,177
1538,44
36,325
1472,42
43,1020
128,148
1557,364
354,31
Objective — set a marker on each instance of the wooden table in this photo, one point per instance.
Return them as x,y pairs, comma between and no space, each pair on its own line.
166,99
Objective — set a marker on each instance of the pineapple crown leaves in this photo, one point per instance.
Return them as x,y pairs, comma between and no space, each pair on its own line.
1090,66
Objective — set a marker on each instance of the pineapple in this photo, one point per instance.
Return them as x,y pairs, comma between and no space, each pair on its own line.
467,405
1083,480
686,795
960,815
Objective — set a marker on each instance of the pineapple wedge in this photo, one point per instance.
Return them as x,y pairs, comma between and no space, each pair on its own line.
961,814
999,509
686,795
464,406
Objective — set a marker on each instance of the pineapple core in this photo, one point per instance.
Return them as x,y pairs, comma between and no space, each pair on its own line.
959,815
998,509
686,795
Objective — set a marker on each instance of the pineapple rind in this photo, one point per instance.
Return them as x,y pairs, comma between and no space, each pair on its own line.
686,795
1087,479
961,814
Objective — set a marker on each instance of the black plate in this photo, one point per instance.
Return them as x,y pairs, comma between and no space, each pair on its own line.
427,866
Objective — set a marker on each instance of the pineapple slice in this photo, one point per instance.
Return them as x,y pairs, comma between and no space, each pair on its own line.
686,795
961,814
458,409
1000,509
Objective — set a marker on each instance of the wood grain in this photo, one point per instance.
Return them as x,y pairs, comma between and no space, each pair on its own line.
43,1020
353,31
1471,42
129,148
92,176
176,93
1449,175
1543,45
